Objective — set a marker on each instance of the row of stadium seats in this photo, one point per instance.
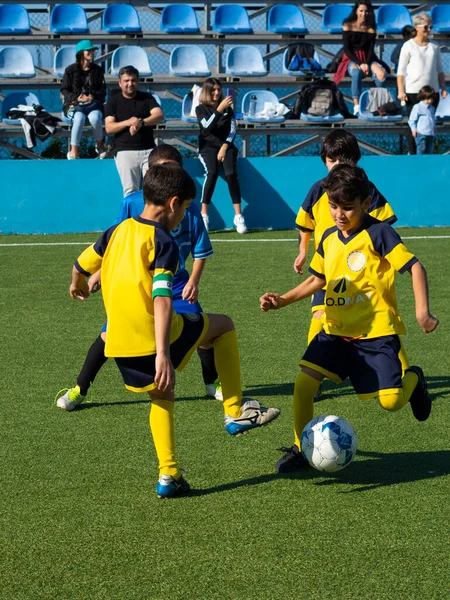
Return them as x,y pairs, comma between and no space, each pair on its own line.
227,18
259,98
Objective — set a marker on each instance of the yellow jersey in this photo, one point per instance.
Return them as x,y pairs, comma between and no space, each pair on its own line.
138,259
359,275
314,214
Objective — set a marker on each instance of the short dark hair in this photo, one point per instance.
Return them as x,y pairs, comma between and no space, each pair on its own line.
162,182
165,152
426,93
346,183
128,70
408,32
341,145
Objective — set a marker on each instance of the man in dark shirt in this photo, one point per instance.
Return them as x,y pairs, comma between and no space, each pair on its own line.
131,116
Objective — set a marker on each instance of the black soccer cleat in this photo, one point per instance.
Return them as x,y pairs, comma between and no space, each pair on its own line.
292,461
420,399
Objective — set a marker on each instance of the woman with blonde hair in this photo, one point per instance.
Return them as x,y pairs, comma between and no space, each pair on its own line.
217,132
419,64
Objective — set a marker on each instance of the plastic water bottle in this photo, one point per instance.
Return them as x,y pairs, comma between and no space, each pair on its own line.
252,106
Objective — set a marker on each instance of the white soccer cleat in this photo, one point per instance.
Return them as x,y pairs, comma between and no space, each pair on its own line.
71,399
239,223
215,390
252,415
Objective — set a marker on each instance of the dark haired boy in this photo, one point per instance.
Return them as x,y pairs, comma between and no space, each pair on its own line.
146,337
356,260
339,146
422,120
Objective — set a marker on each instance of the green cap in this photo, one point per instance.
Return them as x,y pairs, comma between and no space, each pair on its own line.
84,45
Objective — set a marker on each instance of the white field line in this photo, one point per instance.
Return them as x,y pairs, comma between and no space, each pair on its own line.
215,241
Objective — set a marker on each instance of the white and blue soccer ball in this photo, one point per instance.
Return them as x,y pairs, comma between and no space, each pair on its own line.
328,443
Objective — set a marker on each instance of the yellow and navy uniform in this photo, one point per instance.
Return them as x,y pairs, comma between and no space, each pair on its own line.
314,216
360,305
138,259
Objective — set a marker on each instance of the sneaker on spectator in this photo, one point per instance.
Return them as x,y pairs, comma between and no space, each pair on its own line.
70,156
101,153
239,223
356,109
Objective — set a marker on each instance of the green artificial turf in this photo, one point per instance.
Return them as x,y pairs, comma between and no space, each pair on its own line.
80,519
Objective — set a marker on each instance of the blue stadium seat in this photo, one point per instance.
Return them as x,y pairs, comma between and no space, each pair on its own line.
68,18
14,19
13,100
121,18
440,14
391,18
443,109
231,18
130,55
333,16
335,117
16,62
286,18
365,115
245,61
179,18
65,56
299,72
188,61
262,96
186,110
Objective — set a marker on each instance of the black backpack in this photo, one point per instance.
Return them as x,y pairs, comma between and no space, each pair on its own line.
319,98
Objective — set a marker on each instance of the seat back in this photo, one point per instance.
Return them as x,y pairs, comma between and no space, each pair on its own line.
179,18
130,55
121,18
334,15
301,59
187,61
14,19
443,109
286,18
262,96
65,56
245,60
391,18
231,18
68,18
16,61
15,98
440,14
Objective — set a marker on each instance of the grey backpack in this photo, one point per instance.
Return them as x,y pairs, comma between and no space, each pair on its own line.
321,103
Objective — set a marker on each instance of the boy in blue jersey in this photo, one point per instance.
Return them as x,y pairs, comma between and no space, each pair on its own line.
355,261
147,339
191,237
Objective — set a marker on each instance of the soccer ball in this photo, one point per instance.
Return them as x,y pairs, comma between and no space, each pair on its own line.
328,443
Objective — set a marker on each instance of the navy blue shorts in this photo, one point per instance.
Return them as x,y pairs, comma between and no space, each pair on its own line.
318,301
138,372
371,365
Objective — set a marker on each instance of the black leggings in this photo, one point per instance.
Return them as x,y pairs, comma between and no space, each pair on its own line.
208,157
412,100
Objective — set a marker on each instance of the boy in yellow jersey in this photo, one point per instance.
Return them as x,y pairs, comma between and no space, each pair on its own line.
355,260
148,340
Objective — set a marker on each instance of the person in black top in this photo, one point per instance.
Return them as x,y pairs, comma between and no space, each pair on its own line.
131,116
359,58
83,90
217,132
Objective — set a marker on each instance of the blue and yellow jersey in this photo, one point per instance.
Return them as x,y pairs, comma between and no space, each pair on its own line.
190,236
138,259
359,278
314,214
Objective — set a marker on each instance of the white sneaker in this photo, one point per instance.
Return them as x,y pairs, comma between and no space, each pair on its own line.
215,390
252,415
239,223
70,156
71,399
206,221
356,109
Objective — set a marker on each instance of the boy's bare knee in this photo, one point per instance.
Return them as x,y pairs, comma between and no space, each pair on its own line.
158,395
318,314
103,335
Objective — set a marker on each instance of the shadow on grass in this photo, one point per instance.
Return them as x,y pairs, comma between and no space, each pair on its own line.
379,470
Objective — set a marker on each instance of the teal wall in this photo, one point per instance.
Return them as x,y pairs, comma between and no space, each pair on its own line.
84,195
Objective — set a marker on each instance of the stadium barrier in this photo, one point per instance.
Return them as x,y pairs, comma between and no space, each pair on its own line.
52,197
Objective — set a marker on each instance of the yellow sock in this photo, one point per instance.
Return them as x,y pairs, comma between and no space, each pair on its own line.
315,327
397,400
403,356
303,403
409,382
226,355
162,428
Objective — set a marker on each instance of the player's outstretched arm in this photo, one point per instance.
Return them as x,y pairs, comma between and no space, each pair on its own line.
271,301
426,321
79,289
304,239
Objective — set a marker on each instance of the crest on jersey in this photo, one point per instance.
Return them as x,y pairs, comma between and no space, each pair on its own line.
356,261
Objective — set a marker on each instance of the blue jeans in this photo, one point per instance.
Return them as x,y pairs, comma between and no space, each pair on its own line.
357,75
95,118
424,143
